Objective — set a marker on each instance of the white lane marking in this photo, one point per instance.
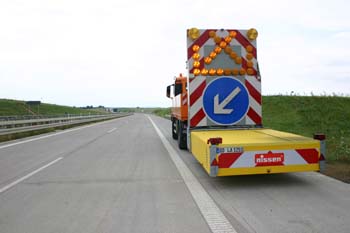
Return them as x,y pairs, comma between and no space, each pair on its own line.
210,211
51,135
110,131
3,189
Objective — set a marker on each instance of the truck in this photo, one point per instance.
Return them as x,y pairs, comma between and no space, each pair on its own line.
217,110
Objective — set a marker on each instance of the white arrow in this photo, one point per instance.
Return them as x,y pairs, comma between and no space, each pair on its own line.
220,108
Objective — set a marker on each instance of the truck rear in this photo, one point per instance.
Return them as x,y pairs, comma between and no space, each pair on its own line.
217,110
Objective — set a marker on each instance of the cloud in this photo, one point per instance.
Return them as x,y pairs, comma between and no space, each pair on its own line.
124,53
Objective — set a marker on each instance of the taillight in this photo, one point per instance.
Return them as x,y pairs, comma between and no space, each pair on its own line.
214,141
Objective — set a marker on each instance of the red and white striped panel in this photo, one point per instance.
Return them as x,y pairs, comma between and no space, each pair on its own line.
249,158
184,98
197,116
254,113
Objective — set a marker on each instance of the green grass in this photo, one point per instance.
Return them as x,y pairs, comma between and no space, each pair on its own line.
306,115
18,108
163,112
12,107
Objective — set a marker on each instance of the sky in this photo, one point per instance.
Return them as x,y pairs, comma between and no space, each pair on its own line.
124,53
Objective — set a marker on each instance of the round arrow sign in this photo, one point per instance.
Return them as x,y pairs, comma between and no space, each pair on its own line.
225,100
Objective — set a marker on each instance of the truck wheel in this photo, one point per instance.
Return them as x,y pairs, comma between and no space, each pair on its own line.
182,140
173,129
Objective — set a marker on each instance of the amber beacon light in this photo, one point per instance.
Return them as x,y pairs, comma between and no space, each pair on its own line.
252,34
193,33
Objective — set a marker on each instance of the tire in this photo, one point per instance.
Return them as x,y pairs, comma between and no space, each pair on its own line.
174,129
182,139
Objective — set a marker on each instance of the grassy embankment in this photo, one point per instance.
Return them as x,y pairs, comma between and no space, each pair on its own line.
307,115
19,108
163,112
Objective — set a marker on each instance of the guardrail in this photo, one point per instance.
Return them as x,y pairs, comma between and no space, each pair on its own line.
18,126
31,117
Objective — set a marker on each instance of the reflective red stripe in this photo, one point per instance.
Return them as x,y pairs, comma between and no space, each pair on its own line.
197,93
322,158
309,155
184,99
197,118
227,159
214,163
254,116
244,63
253,92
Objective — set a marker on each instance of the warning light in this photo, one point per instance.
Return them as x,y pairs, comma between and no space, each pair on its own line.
238,60
196,56
214,141
228,39
217,39
233,34
242,71
204,71
252,34
196,72
195,48
212,34
219,71
212,55
235,71
227,71
233,55
223,44
320,136
249,64
207,60
212,71
196,64
228,49
249,56
193,33
250,71
249,48
217,50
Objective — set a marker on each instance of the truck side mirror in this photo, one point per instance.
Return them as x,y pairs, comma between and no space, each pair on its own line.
168,91
178,89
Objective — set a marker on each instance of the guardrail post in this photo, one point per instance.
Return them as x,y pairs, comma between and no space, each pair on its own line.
322,160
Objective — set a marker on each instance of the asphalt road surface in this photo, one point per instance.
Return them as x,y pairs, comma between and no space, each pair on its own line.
127,175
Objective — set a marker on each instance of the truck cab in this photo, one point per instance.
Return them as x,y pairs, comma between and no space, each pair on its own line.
179,111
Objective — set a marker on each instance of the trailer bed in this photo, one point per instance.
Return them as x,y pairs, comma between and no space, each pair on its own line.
254,151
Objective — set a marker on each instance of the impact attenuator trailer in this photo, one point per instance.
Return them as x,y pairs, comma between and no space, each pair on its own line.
253,151
217,110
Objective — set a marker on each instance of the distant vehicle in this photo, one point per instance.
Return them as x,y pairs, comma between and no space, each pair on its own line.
216,110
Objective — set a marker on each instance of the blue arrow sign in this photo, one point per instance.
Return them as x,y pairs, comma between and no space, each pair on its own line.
225,100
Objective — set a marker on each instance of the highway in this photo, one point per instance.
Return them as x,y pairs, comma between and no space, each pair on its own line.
127,175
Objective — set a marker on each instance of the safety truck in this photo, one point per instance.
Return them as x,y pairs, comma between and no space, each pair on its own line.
216,110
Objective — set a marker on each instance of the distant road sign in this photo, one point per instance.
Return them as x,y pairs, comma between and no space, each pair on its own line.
225,100
33,102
